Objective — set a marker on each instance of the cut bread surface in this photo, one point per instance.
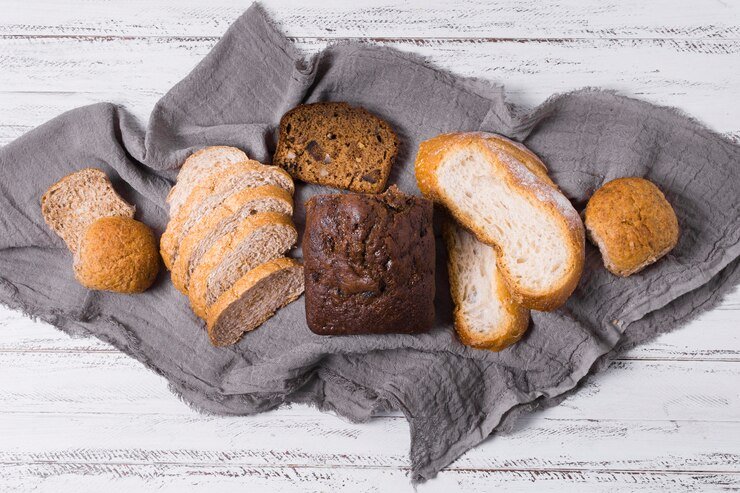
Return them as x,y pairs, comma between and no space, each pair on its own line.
211,192
254,298
223,220
257,239
76,201
538,234
198,167
486,316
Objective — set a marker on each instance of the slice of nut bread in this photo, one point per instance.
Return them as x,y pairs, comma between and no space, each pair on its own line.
198,167
538,235
486,316
337,145
253,299
223,220
255,240
73,203
211,192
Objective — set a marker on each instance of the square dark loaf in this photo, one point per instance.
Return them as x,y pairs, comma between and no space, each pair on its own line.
337,145
369,263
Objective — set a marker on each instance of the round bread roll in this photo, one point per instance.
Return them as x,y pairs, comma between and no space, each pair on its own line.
117,254
632,224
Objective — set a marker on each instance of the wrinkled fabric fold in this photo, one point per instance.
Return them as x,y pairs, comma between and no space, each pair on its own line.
453,396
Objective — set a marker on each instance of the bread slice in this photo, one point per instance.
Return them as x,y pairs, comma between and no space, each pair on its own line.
79,199
254,298
198,167
503,199
486,316
213,191
223,220
255,240
337,145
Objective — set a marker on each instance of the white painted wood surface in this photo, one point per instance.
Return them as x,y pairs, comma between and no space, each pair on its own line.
76,415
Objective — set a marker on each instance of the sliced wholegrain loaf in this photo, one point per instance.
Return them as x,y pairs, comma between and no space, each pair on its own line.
79,199
500,194
486,316
211,192
254,298
255,240
337,145
223,220
198,167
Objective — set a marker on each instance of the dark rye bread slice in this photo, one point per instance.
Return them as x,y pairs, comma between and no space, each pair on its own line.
337,145
76,201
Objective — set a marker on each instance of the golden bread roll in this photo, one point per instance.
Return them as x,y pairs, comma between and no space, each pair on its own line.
632,224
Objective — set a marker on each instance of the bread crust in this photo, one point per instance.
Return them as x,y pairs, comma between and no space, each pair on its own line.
517,320
632,224
117,254
198,286
245,283
540,192
172,236
180,268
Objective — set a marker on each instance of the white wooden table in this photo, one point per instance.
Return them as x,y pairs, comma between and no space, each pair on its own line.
76,415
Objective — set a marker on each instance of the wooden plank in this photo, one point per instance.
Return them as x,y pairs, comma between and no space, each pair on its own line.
674,19
100,382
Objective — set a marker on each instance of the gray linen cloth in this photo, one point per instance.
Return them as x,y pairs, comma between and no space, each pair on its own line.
453,396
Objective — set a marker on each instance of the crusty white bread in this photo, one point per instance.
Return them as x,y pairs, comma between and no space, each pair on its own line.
79,199
211,192
198,167
486,316
499,193
255,240
223,220
254,298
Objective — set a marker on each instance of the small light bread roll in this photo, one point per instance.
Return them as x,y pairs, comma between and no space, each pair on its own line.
632,223
117,254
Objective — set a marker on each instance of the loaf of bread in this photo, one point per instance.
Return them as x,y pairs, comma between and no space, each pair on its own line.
337,145
485,316
369,263
500,191
632,224
112,251
253,299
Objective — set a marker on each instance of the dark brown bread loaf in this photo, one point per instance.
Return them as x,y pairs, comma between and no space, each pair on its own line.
369,263
337,145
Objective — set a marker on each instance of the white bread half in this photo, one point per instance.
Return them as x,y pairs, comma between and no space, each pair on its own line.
503,196
211,192
253,299
486,316
198,167
256,239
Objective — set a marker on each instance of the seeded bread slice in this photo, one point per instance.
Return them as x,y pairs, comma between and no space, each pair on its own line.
198,167
223,220
76,201
255,240
337,145
253,299
213,191
486,316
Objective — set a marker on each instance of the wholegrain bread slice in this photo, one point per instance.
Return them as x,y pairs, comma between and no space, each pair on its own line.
223,220
504,200
213,191
335,144
253,299
486,316
255,240
79,199
199,166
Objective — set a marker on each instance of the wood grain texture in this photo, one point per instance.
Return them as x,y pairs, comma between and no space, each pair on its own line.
76,415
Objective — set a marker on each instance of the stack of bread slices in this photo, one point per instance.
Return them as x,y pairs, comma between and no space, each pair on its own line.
225,244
